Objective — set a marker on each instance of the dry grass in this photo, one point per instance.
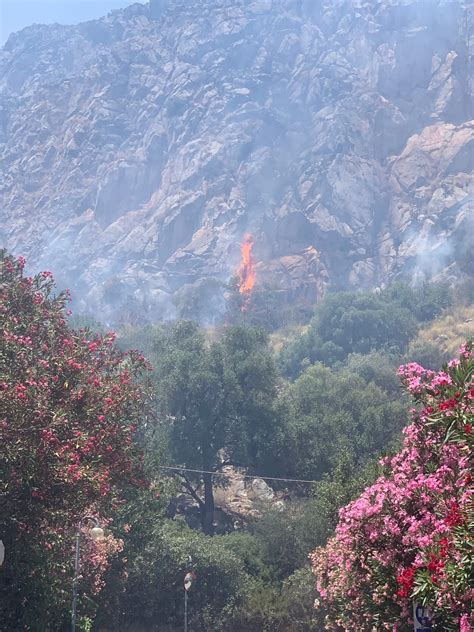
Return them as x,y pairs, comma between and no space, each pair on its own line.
449,331
279,338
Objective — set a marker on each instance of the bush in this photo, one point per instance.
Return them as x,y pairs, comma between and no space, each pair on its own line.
361,322
69,408
409,536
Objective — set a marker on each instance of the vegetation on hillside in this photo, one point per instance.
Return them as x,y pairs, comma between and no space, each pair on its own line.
437,341
361,322
86,427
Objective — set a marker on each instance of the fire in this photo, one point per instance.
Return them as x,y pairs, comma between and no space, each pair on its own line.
247,269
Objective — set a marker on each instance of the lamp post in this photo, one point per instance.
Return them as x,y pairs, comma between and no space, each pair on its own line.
96,533
188,582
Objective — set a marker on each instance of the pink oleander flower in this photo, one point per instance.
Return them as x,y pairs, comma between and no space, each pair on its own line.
406,534
66,456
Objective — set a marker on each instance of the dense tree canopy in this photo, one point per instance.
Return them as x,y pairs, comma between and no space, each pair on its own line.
361,322
331,413
216,402
72,408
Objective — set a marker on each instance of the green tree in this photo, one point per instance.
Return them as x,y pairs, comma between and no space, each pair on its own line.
424,301
194,395
266,307
378,367
151,594
333,412
257,438
362,322
215,399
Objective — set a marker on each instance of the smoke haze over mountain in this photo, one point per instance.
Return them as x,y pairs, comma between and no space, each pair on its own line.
138,151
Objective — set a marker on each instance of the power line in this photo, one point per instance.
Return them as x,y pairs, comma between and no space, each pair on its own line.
268,478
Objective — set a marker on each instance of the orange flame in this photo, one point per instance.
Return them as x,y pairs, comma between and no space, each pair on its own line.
246,270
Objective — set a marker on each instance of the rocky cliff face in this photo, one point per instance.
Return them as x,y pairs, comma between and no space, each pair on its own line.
137,149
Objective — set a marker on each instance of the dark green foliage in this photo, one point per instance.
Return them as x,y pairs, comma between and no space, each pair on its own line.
284,607
252,551
138,524
330,413
245,581
195,400
285,534
218,393
378,367
424,302
338,488
284,537
257,434
202,301
219,400
152,593
236,587
361,322
192,384
216,403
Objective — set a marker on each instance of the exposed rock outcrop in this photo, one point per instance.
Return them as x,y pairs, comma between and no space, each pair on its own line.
238,498
138,148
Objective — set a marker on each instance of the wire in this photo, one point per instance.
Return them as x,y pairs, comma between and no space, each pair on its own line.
269,478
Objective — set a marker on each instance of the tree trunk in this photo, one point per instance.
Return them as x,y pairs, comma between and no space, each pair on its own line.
207,510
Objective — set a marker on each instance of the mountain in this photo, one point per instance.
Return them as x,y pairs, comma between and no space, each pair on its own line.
139,148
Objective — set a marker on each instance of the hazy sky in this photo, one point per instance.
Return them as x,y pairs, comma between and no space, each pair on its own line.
16,14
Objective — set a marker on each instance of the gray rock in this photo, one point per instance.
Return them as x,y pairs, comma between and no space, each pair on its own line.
139,148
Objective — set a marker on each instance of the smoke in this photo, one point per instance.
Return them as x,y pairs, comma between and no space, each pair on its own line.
443,256
234,116
431,258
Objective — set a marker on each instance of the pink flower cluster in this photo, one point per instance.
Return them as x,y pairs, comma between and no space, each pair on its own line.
403,538
69,402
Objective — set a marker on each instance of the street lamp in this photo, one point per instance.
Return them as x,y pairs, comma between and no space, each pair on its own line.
96,533
188,582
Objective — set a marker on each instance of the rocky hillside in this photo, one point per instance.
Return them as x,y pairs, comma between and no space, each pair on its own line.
138,148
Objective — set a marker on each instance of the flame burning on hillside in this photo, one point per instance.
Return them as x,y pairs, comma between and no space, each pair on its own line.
246,270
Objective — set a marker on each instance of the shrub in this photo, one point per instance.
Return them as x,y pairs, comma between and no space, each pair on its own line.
409,536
